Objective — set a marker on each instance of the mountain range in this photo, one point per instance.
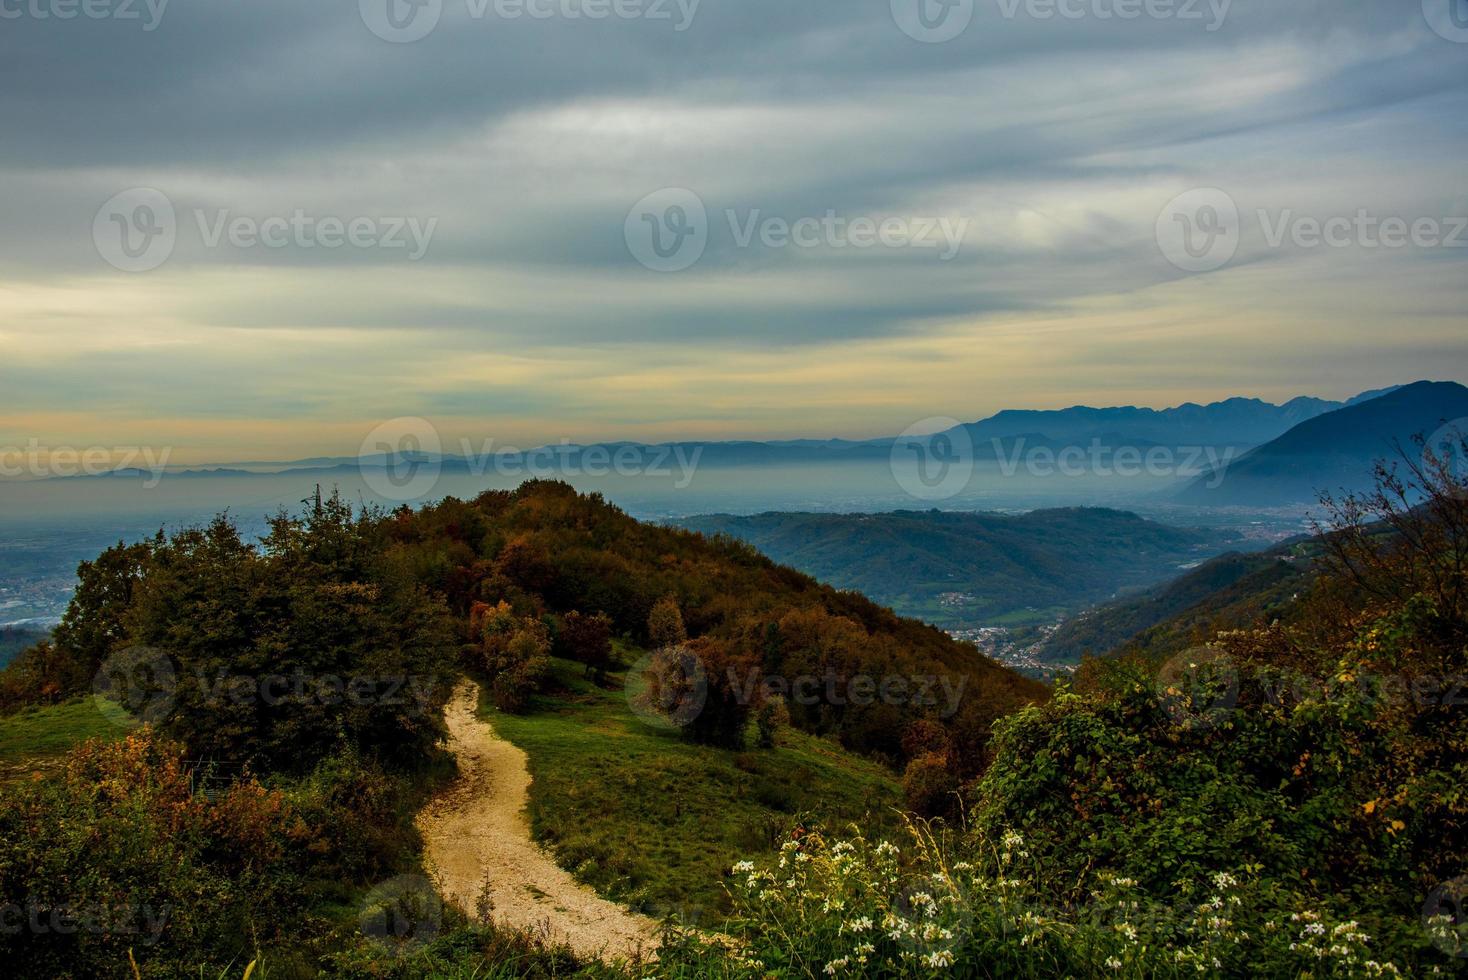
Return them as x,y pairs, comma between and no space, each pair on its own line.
1232,422
1335,451
1239,422
1276,455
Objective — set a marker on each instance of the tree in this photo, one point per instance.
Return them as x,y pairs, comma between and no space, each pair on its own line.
280,653
588,640
92,625
771,716
514,651
665,624
727,707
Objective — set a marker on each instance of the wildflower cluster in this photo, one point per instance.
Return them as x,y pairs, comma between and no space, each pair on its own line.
852,907
941,906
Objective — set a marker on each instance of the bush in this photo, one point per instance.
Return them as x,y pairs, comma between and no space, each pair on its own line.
43,674
771,716
928,787
665,624
984,906
514,652
119,844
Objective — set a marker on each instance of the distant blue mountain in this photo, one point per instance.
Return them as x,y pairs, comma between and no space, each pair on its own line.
1234,422
1336,451
1241,423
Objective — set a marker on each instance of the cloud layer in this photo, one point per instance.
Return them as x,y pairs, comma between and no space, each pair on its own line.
822,144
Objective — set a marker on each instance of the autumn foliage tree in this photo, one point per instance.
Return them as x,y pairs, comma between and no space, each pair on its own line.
665,624
587,640
514,651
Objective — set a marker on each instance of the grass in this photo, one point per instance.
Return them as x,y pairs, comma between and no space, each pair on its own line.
654,821
36,738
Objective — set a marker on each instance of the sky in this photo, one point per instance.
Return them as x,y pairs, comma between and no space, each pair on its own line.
259,230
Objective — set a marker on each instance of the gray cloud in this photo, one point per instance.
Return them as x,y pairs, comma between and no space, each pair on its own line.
527,141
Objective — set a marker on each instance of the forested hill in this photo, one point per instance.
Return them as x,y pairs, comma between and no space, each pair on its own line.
973,568
545,549
14,639
1228,592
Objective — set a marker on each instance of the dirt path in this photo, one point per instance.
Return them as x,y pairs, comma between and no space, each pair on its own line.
477,831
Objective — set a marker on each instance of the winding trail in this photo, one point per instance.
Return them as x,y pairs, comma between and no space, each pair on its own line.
477,832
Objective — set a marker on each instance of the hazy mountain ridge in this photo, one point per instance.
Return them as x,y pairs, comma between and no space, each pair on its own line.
1335,451
1239,422
1234,421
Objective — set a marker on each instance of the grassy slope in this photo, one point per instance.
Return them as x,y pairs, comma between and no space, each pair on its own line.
654,821
33,739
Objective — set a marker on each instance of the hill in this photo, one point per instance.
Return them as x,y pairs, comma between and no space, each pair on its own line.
964,569
1226,592
294,685
1307,771
1334,451
14,639
543,550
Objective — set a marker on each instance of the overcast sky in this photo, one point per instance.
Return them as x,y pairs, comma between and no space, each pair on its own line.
258,229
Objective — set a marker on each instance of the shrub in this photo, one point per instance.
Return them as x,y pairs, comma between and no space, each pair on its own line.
924,737
928,787
771,716
984,906
514,652
116,853
665,624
